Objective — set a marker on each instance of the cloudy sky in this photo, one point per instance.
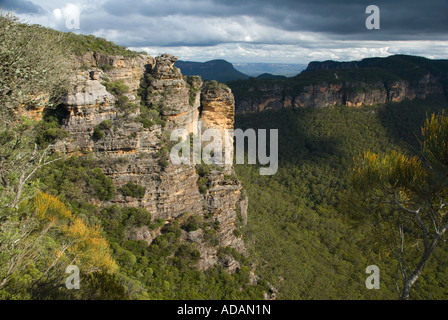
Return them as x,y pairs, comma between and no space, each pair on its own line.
277,31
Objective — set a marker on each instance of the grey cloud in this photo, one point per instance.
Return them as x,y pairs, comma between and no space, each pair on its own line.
158,8
409,18
21,6
412,19
182,23
317,25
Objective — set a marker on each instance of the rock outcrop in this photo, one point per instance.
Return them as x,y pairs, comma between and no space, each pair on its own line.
361,83
169,92
117,68
325,94
130,152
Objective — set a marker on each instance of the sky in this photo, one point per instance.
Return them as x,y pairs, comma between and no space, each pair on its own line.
243,31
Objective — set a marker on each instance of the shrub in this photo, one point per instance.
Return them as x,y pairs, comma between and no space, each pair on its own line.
98,131
33,65
211,238
106,125
193,223
186,255
117,88
76,179
80,44
137,217
98,134
122,102
133,190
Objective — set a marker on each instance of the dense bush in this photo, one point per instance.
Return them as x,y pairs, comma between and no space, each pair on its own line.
117,88
133,190
80,44
193,223
98,131
77,179
49,130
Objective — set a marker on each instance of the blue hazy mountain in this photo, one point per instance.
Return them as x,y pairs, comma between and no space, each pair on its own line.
270,76
219,70
282,69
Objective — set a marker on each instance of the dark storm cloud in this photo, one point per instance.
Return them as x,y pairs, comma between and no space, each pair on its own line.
347,17
343,19
267,30
21,6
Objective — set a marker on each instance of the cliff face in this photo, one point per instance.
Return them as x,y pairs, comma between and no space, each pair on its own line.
130,152
367,82
325,94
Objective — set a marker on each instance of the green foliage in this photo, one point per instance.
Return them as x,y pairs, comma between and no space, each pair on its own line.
306,226
106,125
133,190
193,223
33,67
117,88
39,242
435,138
80,44
49,130
122,102
163,154
115,220
211,238
98,131
186,256
165,269
98,134
391,171
203,170
193,84
412,190
76,180
150,116
150,111
214,85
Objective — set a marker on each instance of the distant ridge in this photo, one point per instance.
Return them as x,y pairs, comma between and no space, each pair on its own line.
219,70
393,64
258,68
270,76
355,83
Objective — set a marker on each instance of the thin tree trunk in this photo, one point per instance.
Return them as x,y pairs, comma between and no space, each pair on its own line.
409,282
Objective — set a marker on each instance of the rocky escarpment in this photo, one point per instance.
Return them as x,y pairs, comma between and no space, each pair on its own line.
329,83
131,145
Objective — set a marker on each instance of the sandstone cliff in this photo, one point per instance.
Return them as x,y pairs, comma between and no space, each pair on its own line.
368,82
130,150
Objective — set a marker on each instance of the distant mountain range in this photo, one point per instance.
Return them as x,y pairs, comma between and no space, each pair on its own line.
219,70
282,69
270,76
224,71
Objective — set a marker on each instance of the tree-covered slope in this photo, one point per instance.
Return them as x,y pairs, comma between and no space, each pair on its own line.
306,227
